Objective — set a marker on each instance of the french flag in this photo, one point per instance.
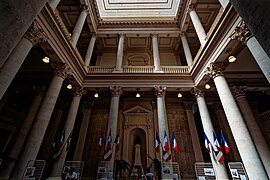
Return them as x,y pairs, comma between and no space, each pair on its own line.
166,142
207,143
175,147
224,143
117,142
218,154
100,141
157,143
216,143
108,148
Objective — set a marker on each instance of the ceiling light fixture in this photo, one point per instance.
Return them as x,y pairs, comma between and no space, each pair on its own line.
207,86
96,95
46,59
69,86
138,94
231,58
179,95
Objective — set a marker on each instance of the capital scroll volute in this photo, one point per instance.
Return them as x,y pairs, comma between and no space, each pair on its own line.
116,90
215,69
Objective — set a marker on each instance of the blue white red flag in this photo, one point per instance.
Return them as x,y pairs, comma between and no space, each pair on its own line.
175,147
59,145
117,142
100,141
218,154
167,155
157,143
68,141
207,143
108,147
224,143
166,146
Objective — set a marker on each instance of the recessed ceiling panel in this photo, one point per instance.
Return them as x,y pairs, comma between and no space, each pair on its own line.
134,10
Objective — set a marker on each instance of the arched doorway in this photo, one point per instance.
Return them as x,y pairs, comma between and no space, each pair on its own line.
138,136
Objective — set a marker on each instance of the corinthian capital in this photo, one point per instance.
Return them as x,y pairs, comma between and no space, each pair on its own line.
214,70
160,90
197,91
61,69
116,90
239,91
35,34
78,91
241,33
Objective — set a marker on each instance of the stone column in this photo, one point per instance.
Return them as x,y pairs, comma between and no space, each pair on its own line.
161,112
208,128
197,25
83,132
28,121
33,36
79,25
239,93
246,147
188,55
223,122
54,3
90,49
69,124
224,3
156,53
242,34
120,51
116,92
193,132
37,133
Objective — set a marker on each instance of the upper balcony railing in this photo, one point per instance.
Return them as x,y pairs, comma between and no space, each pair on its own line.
139,69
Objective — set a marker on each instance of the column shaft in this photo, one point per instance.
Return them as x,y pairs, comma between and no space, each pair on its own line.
83,133
198,26
39,128
69,124
89,52
208,129
260,56
53,3
223,122
247,150
120,51
113,115
13,64
155,53
224,3
26,126
162,116
194,136
186,49
255,132
78,28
